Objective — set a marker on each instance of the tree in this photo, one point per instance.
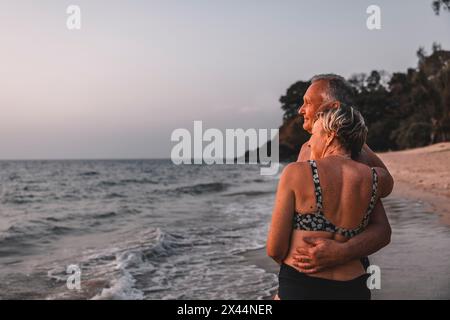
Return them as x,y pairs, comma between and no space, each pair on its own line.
436,47
372,99
358,81
403,110
421,54
437,5
293,99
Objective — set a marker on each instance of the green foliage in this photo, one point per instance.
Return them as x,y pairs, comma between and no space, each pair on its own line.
412,134
402,110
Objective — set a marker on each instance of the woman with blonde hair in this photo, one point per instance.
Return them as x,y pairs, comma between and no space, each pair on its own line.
328,196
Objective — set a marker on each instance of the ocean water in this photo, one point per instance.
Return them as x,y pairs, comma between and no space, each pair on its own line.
147,229
137,229
416,264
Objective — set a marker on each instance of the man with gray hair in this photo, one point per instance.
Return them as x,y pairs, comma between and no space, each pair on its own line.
338,88
331,90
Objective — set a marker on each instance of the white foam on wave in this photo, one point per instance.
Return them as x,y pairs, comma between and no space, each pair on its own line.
202,262
109,273
131,259
123,287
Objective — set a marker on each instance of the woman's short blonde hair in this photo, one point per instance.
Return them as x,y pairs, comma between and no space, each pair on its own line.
347,124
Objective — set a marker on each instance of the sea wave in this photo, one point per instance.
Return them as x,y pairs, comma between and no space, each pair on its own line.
113,269
122,182
250,193
89,173
32,233
19,198
107,223
201,188
122,287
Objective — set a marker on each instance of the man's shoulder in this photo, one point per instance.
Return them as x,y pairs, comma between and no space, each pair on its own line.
305,145
364,156
368,157
305,152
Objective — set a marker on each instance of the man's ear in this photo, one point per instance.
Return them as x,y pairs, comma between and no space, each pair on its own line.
336,104
329,105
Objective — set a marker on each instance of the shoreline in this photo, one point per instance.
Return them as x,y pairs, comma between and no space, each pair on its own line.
437,204
421,174
259,258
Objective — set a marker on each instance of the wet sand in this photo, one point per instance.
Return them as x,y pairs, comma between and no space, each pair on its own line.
416,264
424,174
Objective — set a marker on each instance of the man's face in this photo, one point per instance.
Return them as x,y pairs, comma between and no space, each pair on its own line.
312,100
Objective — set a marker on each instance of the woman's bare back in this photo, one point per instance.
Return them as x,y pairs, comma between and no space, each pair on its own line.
346,189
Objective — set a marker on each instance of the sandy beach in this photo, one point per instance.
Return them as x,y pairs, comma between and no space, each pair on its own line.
422,182
424,174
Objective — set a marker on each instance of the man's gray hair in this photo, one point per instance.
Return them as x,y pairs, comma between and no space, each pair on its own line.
338,89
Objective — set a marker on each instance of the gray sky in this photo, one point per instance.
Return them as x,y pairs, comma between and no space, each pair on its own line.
137,70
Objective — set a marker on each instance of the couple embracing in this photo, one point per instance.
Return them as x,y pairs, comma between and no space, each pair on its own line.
328,216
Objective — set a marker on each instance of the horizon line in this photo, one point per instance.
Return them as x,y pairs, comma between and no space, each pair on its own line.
79,159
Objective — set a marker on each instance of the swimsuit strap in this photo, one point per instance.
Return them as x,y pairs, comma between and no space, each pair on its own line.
373,198
365,220
317,188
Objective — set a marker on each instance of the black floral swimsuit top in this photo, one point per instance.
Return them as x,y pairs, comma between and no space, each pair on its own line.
316,221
